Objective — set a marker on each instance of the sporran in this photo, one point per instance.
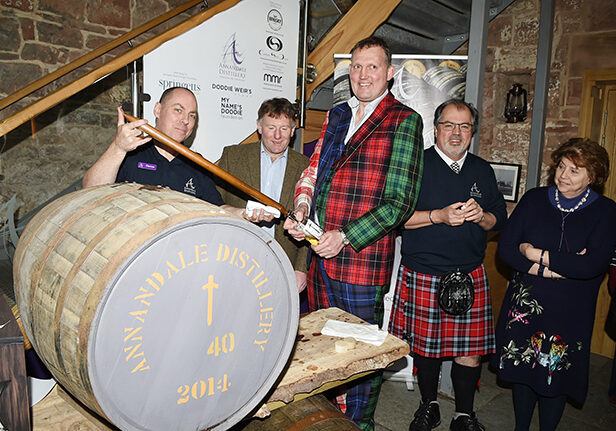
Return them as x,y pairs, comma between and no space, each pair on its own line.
456,293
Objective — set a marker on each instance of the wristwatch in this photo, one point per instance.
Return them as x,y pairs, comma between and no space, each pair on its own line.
345,240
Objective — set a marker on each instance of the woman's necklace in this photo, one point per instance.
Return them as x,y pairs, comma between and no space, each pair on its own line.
570,210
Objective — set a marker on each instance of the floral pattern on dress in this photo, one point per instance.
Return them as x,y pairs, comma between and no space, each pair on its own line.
522,305
534,352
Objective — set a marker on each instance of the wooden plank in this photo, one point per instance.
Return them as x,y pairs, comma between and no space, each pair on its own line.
59,411
358,23
79,84
316,366
14,411
39,83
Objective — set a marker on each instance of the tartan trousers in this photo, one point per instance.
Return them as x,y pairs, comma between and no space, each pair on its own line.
365,302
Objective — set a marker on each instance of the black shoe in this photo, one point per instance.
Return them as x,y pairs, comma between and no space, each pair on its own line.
466,423
427,416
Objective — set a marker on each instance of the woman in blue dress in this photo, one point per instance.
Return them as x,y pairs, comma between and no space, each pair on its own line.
558,241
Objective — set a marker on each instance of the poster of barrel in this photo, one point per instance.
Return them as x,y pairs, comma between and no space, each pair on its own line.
421,82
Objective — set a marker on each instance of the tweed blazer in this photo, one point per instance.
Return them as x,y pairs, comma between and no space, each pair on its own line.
370,189
244,162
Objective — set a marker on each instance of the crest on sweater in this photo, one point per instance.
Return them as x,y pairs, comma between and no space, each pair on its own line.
475,192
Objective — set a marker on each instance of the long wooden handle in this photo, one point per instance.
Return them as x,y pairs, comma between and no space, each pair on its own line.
203,162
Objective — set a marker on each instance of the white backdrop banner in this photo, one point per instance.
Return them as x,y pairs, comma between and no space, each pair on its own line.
232,62
421,82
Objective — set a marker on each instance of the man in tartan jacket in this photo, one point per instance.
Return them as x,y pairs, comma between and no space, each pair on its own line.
362,183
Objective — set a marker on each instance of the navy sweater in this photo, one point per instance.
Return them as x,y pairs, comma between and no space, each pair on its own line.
439,248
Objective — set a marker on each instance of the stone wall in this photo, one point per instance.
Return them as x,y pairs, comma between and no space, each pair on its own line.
43,157
584,38
50,153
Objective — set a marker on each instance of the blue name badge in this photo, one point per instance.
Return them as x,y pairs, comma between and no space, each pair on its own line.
148,166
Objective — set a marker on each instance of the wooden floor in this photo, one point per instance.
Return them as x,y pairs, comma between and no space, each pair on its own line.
58,411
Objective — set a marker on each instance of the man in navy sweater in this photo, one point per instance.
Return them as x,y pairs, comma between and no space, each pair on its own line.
458,203
134,157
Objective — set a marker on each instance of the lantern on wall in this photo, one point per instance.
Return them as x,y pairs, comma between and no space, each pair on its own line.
515,108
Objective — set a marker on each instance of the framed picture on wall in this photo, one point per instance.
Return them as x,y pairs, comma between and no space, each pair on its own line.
507,179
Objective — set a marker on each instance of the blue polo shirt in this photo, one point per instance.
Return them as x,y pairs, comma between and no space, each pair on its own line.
146,165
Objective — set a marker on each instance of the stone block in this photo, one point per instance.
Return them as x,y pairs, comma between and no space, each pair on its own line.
18,75
515,60
59,35
526,32
592,51
24,5
511,141
94,41
489,59
10,40
500,30
66,8
570,5
110,13
572,113
11,56
154,9
27,29
82,117
567,23
523,8
599,15
488,97
574,91
560,54
44,53
555,96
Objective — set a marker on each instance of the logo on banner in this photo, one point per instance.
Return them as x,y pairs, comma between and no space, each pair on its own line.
273,43
274,19
272,79
176,78
230,65
229,109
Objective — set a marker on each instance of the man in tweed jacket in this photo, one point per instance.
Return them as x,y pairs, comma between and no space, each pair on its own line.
273,168
362,183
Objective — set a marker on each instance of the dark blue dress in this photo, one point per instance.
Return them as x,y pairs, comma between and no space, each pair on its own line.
545,325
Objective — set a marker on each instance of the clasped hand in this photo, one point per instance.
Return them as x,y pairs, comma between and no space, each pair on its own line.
459,212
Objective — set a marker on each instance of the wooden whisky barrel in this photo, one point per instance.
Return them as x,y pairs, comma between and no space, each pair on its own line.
314,413
156,309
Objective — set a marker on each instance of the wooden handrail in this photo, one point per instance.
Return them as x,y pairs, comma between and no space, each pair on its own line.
39,83
68,90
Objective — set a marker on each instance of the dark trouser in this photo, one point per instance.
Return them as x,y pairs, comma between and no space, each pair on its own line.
365,302
550,408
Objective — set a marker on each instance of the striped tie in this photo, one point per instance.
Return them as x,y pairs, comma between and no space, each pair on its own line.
455,167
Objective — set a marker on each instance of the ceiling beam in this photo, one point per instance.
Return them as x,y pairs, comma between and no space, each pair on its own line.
358,23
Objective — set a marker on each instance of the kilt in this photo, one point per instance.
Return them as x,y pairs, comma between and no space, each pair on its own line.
417,318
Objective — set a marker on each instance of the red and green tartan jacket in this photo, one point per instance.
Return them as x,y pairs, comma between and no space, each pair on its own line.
369,190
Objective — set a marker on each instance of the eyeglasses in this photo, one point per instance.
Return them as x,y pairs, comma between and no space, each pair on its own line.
448,126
